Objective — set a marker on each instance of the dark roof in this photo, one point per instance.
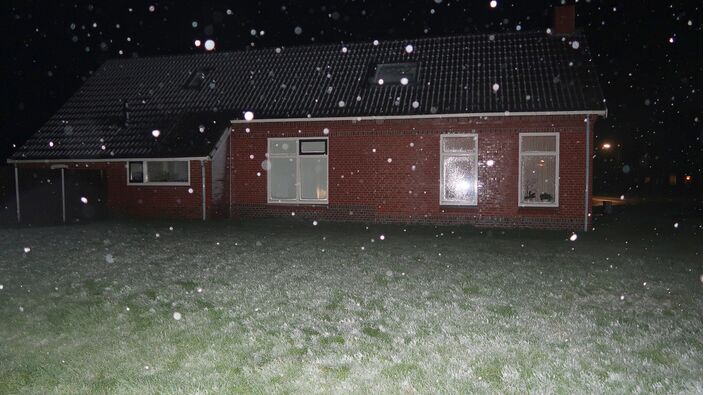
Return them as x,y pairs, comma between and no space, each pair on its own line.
533,71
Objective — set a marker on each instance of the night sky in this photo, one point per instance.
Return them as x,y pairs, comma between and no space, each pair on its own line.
648,54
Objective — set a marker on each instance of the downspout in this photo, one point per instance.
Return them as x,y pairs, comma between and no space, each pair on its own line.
229,173
587,160
17,193
202,178
63,196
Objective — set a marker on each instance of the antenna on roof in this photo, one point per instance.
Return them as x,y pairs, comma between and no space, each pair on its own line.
125,113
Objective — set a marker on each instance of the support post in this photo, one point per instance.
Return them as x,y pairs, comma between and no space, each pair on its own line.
587,162
202,179
229,173
63,196
17,193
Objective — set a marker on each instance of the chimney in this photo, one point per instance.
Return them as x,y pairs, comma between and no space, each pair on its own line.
564,20
126,113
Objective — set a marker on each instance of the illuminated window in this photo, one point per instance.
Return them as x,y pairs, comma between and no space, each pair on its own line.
298,171
458,169
538,173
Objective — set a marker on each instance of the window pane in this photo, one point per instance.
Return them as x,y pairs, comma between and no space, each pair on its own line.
136,172
314,178
538,178
282,179
173,171
279,146
313,146
458,144
459,183
539,143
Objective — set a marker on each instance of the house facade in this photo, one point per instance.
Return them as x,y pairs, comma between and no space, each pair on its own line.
491,130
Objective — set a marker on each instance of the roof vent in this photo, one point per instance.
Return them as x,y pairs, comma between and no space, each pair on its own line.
125,113
564,20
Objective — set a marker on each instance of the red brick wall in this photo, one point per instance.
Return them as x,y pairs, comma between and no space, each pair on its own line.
364,186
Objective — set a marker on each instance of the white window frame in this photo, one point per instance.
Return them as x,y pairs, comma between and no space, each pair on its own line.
555,153
145,176
475,155
297,156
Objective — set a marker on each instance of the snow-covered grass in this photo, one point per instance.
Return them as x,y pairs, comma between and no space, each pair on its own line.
291,307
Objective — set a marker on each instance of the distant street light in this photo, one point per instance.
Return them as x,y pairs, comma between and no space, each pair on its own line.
606,146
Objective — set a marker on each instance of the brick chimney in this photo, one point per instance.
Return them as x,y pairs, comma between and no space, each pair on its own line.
564,20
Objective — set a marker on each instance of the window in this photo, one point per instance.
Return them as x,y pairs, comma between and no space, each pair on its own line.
538,173
160,172
458,169
298,170
196,79
395,73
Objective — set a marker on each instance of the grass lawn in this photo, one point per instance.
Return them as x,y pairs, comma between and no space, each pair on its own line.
291,307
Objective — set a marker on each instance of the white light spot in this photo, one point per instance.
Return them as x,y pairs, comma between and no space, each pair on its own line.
381,81
573,237
1,286
84,200
415,104
177,315
298,30
677,225
518,28
341,104
374,150
253,32
575,44
623,297
197,43
344,49
404,81
156,133
152,8
315,223
413,167
409,48
382,237
190,190
326,131
671,40
490,162
259,174
495,87
199,290
251,156
389,160
51,143
127,308
157,235
209,45
376,42
493,4
293,213
27,250
622,197
248,115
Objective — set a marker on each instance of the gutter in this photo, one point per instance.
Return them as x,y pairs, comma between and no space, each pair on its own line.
603,113
103,160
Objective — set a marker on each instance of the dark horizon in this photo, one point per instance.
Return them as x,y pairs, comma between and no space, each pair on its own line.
651,82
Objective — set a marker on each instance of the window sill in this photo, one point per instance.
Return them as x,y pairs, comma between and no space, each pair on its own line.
458,205
298,202
158,184
538,205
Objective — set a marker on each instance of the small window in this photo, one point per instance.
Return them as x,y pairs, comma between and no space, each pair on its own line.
313,147
197,79
458,169
395,73
298,176
538,174
136,172
159,172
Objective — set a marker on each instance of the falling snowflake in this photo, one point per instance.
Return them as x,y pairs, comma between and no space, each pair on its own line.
84,200
326,131
248,115
573,237
177,316
341,104
415,104
197,43
109,258
27,250
495,87
298,30
493,4
409,48
190,190
389,160
156,133
382,237
404,81
575,44
490,162
315,223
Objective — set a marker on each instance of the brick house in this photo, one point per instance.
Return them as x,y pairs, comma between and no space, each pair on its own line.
492,130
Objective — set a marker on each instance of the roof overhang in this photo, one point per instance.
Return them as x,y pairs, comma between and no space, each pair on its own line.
48,161
601,113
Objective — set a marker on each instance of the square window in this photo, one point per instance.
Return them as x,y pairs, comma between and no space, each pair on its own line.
298,172
136,172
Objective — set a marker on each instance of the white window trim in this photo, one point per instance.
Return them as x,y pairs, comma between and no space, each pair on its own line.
297,156
145,176
556,153
475,155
